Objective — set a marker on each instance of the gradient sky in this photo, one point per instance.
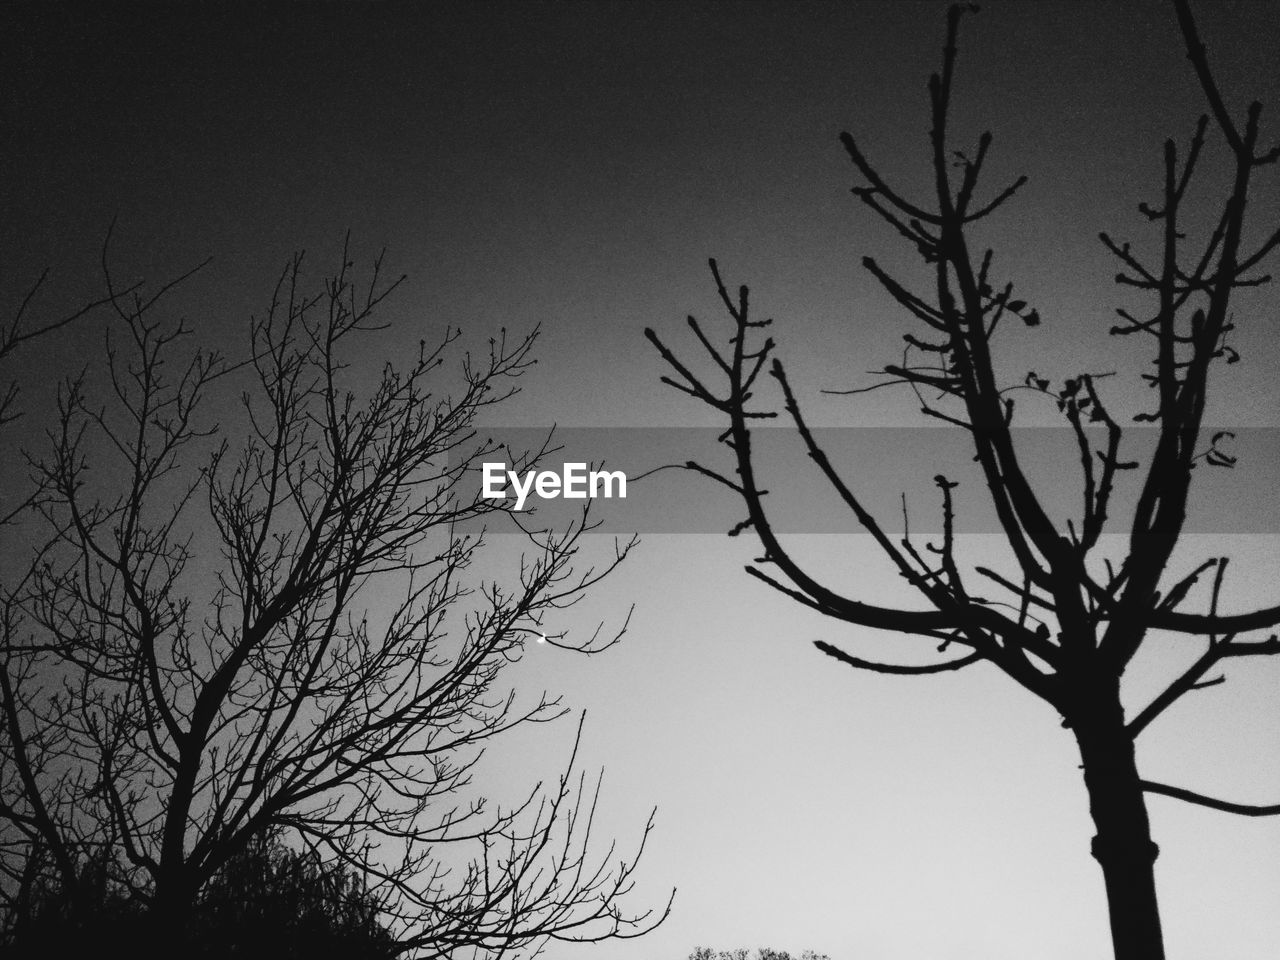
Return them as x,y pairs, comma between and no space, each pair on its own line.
574,165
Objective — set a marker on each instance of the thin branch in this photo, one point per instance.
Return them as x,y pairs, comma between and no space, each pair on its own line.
897,668
1202,800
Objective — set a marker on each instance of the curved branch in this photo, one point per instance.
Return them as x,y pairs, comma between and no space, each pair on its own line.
896,668
1226,806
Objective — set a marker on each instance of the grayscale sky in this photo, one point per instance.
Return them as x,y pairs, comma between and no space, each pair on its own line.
573,165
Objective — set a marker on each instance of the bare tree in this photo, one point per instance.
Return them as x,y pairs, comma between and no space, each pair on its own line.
220,639
1073,619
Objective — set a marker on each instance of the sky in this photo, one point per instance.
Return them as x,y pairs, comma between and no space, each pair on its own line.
574,166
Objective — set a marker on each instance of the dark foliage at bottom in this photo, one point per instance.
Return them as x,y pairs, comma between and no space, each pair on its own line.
269,902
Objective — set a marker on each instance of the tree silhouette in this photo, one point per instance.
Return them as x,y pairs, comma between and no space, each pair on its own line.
1074,619
742,953
267,902
270,627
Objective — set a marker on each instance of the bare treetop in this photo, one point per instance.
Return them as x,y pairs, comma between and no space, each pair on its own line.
1068,619
284,633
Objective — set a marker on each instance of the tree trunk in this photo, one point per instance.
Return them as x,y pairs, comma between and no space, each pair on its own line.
1123,845
168,922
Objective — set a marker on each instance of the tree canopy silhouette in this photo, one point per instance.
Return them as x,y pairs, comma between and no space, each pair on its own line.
1072,618
278,625
743,953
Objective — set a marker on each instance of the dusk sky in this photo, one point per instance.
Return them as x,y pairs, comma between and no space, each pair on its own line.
574,165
